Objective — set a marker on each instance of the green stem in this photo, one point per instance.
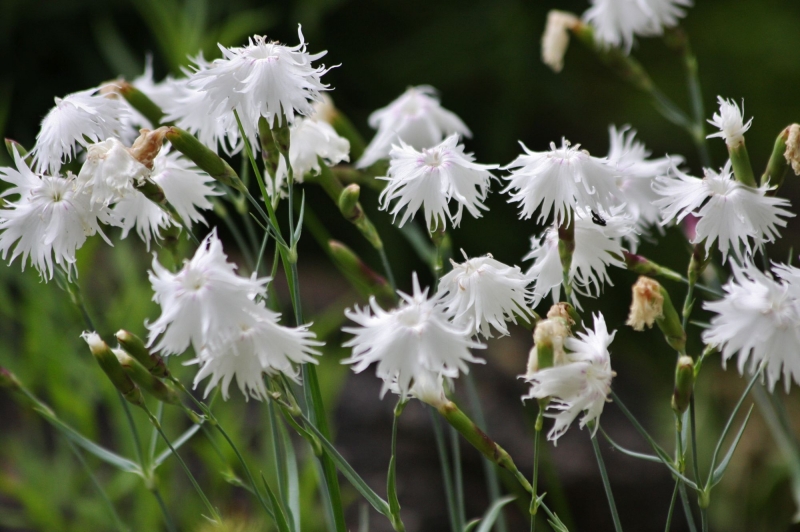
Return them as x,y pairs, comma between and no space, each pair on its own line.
671,510
134,431
534,508
607,485
687,507
103,495
213,511
458,475
167,518
693,428
444,462
387,268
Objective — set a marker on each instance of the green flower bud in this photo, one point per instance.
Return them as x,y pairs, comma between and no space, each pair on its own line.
203,157
139,101
8,379
783,154
644,266
362,276
135,347
684,384
348,202
146,381
112,368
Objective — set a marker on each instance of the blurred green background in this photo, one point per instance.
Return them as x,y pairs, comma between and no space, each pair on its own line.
484,59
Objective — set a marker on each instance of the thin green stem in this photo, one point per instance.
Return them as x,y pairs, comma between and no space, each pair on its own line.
671,510
687,305
151,450
537,437
134,431
167,518
213,511
607,485
387,268
693,429
458,475
447,477
687,507
103,495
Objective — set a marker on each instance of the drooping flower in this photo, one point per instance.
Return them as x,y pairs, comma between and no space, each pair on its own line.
417,336
110,172
555,38
49,221
263,79
636,175
616,22
581,384
733,214
203,302
81,118
416,118
597,246
428,387
561,180
432,178
485,292
258,345
759,318
730,121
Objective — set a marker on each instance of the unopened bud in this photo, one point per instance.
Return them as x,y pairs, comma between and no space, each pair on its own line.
146,381
112,368
792,153
203,157
644,266
12,145
135,347
8,379
147,145
361,275
684,384
348,202
555,39
564,311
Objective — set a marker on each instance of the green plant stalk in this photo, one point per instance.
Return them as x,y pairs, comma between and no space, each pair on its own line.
740,161
671,510
680,459
391,482
141,102
458,475
607,485
537,436
444,463
777,166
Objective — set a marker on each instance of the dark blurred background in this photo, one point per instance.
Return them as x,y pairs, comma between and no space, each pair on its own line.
483,57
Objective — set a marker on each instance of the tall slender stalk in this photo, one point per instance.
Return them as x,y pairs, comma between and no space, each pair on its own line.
444,462
607,485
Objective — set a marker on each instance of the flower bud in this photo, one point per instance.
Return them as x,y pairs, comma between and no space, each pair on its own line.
548,344
348,202
564,311
203,157
12,145
644,266
135,347
145,379
792,153
555,39
362,276
138,100
8,379
684,384
112,368
651,303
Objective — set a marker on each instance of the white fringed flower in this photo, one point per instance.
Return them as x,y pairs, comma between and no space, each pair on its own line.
258,345
135,210
310,139
110,172
561,180
49,222
415,337
555,38
201,303
432,178
581,384
263,79
730,121
427,387
81,118
616,22
596,248
485,292
733,214
416,118
759,318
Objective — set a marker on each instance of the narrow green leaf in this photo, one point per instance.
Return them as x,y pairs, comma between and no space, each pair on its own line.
730,422
634,454
720,470
91,447
292,478
277,508
421,244
183,438
493,513
471,525
349,473
299,229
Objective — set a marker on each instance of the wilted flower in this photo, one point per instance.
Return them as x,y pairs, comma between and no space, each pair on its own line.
310,139
647,304
730,122
561,180
483,291
733,213
110,172
415,337
581,384
555,39
617,21
416,118
432,178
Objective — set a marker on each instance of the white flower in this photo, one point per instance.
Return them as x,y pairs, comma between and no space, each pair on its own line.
483,292
616,22
110,172
733,213
427,387
597,246
581,384
49,221
79,118
431,178
414,337
135,210
263,79
561,180
309,139
730,122
759,318
258,345
555,39
203,302
416,118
